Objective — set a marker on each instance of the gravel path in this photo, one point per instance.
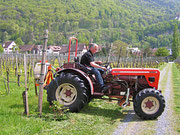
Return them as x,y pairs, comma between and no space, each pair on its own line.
133,125
165,122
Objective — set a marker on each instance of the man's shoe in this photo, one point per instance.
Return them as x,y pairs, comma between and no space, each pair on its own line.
105,89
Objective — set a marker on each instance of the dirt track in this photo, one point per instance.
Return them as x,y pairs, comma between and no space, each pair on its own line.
164,125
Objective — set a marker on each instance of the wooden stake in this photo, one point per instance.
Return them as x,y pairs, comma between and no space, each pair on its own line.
7,70
16,65
119,57
41,82
59,61
25,93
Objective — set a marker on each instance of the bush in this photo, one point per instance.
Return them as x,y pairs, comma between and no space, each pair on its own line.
162,52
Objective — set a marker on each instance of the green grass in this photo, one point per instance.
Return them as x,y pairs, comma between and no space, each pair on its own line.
162,66
98,117
176,87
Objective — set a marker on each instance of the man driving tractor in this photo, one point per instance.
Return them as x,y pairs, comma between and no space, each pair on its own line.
88,60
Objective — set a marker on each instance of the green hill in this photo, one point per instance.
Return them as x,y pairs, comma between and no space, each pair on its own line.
136,22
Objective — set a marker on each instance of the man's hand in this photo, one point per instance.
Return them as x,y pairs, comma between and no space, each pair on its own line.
104,68
98,62
94,64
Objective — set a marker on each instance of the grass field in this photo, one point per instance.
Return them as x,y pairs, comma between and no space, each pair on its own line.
98,117
176,87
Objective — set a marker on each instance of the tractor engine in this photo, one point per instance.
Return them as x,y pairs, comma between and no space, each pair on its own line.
120,79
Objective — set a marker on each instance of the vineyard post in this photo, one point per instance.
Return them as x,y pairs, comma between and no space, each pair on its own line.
139,60
32,69
13,62
119,56
150,62
7,70
146,61
41,82
59,61
18,79
16,65
53,59
25,93
126,59
142,62
134,61
28,68
30,65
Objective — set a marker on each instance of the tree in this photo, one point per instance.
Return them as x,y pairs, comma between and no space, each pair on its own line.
19,41
4,37
119,45
176,42
162,52
147,51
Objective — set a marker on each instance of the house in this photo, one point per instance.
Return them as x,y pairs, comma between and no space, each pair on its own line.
34,49
134,50
53,50
38,49
177,18
170,51
80,50
9,46
26,48
56,50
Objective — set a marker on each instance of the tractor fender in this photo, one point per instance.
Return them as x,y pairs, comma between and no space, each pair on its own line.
82,74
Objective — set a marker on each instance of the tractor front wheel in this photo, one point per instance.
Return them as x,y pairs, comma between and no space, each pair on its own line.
149,104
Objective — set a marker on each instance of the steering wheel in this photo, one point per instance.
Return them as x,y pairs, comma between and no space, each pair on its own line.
108,66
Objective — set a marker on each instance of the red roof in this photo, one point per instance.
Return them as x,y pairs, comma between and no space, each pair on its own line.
24,48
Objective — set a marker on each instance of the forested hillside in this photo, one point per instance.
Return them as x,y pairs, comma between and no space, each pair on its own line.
140,23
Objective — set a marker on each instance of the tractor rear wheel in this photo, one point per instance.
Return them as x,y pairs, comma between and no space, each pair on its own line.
149,104
71,91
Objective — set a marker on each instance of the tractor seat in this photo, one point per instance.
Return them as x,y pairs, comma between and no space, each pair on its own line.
83,68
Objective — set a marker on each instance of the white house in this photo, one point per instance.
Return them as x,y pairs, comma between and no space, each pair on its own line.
134,50
53,50
9,46
170,51
177,18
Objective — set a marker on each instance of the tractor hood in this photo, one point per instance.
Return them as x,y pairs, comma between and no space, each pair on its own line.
151,75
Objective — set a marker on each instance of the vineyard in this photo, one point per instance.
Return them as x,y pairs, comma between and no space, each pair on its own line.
12,78
13,65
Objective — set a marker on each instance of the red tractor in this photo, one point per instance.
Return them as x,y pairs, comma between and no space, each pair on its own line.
75,86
